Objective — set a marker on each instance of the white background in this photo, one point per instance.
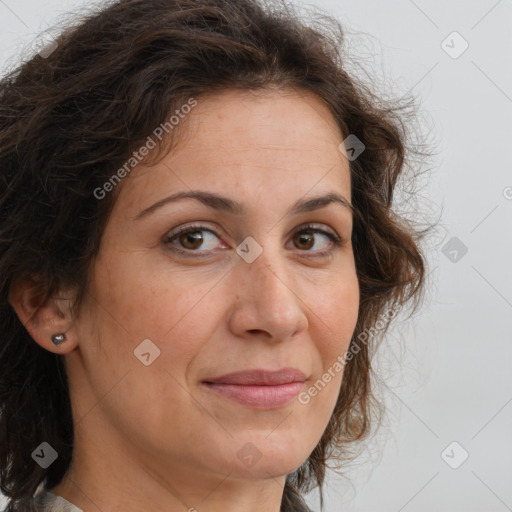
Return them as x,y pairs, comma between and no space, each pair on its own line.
447,370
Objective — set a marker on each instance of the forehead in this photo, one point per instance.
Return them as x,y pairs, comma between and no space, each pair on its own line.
270,117
283,141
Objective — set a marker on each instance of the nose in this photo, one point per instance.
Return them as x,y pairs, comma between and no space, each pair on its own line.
266,303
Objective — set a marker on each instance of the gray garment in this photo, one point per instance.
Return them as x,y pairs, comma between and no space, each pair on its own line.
46,501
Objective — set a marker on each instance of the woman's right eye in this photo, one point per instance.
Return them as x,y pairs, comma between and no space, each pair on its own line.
192,238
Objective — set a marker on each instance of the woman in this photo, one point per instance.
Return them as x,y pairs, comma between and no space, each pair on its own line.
196,239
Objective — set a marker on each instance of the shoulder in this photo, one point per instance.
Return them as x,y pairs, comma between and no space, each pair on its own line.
46,501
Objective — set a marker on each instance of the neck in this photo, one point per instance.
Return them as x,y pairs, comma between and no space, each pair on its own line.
125,482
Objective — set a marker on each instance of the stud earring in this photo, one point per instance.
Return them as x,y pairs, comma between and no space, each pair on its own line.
57,339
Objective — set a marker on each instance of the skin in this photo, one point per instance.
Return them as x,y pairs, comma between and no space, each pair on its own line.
152,438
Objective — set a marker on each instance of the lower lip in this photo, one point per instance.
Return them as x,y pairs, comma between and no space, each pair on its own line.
261,397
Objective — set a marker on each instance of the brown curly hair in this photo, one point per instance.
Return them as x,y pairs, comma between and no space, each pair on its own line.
68,120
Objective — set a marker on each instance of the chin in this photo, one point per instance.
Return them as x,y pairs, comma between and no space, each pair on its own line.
264,469
263,459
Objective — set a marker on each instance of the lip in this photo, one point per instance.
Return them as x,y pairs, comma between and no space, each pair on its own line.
260,377
259,388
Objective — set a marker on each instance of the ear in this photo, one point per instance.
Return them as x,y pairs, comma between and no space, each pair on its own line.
44,318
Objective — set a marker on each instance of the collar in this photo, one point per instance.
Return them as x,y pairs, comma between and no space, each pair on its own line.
46,501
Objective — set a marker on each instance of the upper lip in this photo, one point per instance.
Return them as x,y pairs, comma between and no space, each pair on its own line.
260,377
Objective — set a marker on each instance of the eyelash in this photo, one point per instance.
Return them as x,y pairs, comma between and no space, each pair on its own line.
336,240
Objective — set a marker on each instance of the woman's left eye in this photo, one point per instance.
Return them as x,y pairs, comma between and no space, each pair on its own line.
192,238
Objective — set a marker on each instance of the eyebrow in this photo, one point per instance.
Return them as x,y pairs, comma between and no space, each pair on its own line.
224,204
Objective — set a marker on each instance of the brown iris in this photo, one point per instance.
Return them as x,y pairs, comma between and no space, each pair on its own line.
306,238
191,240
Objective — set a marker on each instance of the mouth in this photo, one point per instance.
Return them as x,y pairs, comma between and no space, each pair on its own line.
258,388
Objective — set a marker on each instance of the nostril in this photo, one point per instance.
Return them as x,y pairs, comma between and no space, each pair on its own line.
256,331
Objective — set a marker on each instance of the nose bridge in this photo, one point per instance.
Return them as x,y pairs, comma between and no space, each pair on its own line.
269,272
266,299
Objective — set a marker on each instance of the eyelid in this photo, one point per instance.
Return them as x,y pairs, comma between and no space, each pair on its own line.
189,227
315,226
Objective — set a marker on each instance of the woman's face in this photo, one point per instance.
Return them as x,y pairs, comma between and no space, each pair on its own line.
210,310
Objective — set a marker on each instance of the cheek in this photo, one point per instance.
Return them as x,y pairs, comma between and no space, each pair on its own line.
333,317
336,308
175,317
148,301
